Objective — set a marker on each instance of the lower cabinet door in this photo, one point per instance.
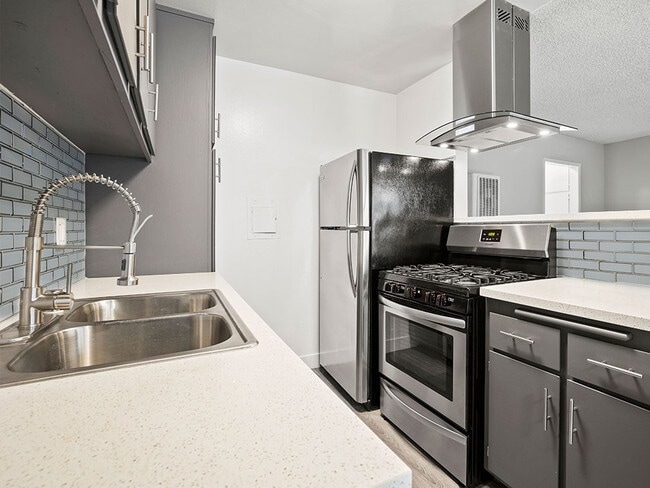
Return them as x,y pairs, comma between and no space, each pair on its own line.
523,420
608,441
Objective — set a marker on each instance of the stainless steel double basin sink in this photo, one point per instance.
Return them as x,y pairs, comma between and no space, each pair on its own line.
119,331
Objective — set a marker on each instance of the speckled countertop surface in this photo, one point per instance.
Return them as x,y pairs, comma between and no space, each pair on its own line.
615,303
255,417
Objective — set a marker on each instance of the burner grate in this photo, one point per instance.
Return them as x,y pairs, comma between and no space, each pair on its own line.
462,275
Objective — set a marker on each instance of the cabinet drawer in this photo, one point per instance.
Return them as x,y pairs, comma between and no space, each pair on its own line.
526,340
619,369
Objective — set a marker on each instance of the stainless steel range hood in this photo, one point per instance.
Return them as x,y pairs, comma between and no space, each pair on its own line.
491,76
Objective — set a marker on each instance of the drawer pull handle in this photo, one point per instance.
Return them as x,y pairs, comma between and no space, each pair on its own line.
547,417
575,326
572,429
519,338
603,364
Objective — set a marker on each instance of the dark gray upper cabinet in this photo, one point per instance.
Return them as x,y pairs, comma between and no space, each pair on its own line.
62,59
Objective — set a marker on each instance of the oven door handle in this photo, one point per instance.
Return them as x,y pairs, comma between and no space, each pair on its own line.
431,317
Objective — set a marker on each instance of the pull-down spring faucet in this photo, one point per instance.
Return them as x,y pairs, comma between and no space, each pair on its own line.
33,300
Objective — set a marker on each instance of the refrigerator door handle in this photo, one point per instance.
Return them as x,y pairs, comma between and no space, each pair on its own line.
353,174
353,279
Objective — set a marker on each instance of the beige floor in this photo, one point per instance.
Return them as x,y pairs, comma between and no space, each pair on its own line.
426,473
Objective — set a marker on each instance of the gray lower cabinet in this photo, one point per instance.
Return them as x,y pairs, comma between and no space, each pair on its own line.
523,423
607,445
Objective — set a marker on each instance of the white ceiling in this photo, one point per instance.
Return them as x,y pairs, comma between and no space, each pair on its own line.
589,58
384,45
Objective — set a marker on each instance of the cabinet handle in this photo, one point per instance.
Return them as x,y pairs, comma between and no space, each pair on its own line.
144,54
519,338
547,417
151,57
603,364
572,430
576,326
155,103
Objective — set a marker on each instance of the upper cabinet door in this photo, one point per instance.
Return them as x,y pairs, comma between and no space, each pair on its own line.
148,87
123,20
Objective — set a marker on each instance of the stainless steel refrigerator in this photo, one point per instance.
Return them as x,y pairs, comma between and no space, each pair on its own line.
377,211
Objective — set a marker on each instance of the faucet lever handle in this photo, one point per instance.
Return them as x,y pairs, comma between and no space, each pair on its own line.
68,279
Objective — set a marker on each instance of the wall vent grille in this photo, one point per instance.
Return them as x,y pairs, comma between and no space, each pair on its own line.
521,23
485,195
504,16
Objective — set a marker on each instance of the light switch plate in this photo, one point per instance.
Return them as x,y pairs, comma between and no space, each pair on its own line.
61,231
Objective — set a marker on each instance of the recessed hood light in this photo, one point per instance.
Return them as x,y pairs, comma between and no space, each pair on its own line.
490,130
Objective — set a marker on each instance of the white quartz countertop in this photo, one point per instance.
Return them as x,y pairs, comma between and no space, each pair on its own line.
254,417
622,304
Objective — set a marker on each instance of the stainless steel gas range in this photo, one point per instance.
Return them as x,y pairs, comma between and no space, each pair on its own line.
432,341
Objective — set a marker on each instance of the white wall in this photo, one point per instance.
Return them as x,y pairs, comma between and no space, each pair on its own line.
277,128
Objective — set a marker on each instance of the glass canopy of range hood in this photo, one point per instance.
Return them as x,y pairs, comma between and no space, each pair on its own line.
490,130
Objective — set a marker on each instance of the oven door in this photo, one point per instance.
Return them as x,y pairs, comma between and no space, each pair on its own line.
425,354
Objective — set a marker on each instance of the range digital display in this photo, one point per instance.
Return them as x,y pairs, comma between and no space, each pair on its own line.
490,235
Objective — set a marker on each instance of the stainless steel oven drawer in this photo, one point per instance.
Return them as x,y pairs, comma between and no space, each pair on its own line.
439,439
536,343
615,368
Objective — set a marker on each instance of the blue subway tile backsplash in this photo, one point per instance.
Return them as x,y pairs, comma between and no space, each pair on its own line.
606,251
32,154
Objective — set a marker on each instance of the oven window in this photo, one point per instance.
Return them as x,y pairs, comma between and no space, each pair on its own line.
423,353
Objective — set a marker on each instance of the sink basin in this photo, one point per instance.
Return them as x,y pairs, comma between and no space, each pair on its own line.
120,342
115,332
135,307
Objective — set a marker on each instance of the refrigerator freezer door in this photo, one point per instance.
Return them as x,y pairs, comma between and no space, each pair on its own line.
343,317
412,207
343,192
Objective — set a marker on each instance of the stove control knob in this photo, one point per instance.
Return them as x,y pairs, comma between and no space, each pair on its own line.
409,292
441,300
433,297
388,286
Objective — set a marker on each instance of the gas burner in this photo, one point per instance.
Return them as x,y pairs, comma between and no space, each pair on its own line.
462,275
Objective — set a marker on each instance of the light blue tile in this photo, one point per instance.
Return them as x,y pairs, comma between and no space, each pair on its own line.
573,273
616,225
599,256
617,246
582,264
590,245
599,236
569,254
562,245
641,225
569,235
597,275
616,267
633,278
583,225
642,247
11,258
6,311
642,269
632,236
633,258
